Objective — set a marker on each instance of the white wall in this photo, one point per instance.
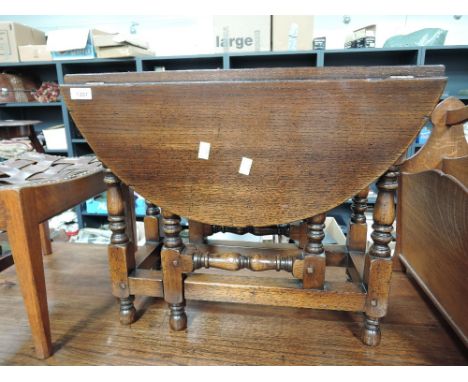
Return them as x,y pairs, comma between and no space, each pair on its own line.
172,35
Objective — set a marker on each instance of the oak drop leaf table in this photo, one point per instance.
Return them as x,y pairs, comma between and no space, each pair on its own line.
266,151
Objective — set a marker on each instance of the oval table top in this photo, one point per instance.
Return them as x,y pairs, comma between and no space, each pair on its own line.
252,147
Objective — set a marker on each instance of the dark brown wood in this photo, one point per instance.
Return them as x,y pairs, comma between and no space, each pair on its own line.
128,197
357,231
304,73
85,331
44,233
273,291
314,254
243,115
121,250
235,261
298,232
151,221
154,151
378,262
146,282
198,232
172,271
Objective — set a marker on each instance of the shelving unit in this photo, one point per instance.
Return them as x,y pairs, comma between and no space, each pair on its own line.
455,58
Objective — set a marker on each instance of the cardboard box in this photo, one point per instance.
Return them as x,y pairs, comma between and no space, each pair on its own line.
12,35
292,33
118,39
72,44
242,33
122,51
55,137
34,53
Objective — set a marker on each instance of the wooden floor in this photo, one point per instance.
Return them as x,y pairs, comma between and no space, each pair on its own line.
86,331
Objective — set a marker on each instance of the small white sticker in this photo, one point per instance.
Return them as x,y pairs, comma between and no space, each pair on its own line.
204,150
81,93
245,166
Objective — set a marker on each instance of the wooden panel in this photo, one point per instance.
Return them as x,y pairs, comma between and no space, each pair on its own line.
306,139
434,243
273,291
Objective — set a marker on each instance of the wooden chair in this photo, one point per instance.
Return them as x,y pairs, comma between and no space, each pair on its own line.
25,128
432,230
255,148
33,188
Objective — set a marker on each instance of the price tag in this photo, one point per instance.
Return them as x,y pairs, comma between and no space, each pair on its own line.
245,166
81,93
204,150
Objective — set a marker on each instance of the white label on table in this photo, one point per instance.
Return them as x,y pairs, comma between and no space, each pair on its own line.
245,166
204,150
81,93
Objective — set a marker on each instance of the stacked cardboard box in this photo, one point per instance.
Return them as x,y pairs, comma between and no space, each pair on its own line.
118,45
13,35
72,44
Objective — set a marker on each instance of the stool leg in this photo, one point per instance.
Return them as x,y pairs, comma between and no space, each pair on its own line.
24,236
378,261
121,251
45,238
172,271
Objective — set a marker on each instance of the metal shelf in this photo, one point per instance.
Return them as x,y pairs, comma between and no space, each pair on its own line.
31,104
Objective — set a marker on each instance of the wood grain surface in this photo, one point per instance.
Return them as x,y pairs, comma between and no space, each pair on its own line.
434,242
86,328
316,137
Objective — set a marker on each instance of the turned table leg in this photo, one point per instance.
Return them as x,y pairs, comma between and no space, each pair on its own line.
357,233
378,261
314,253
172,271
121,251
151,222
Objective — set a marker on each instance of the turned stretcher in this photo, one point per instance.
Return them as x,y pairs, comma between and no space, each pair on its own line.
260,150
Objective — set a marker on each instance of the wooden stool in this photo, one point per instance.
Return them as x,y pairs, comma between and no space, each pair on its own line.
252,151
33,188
